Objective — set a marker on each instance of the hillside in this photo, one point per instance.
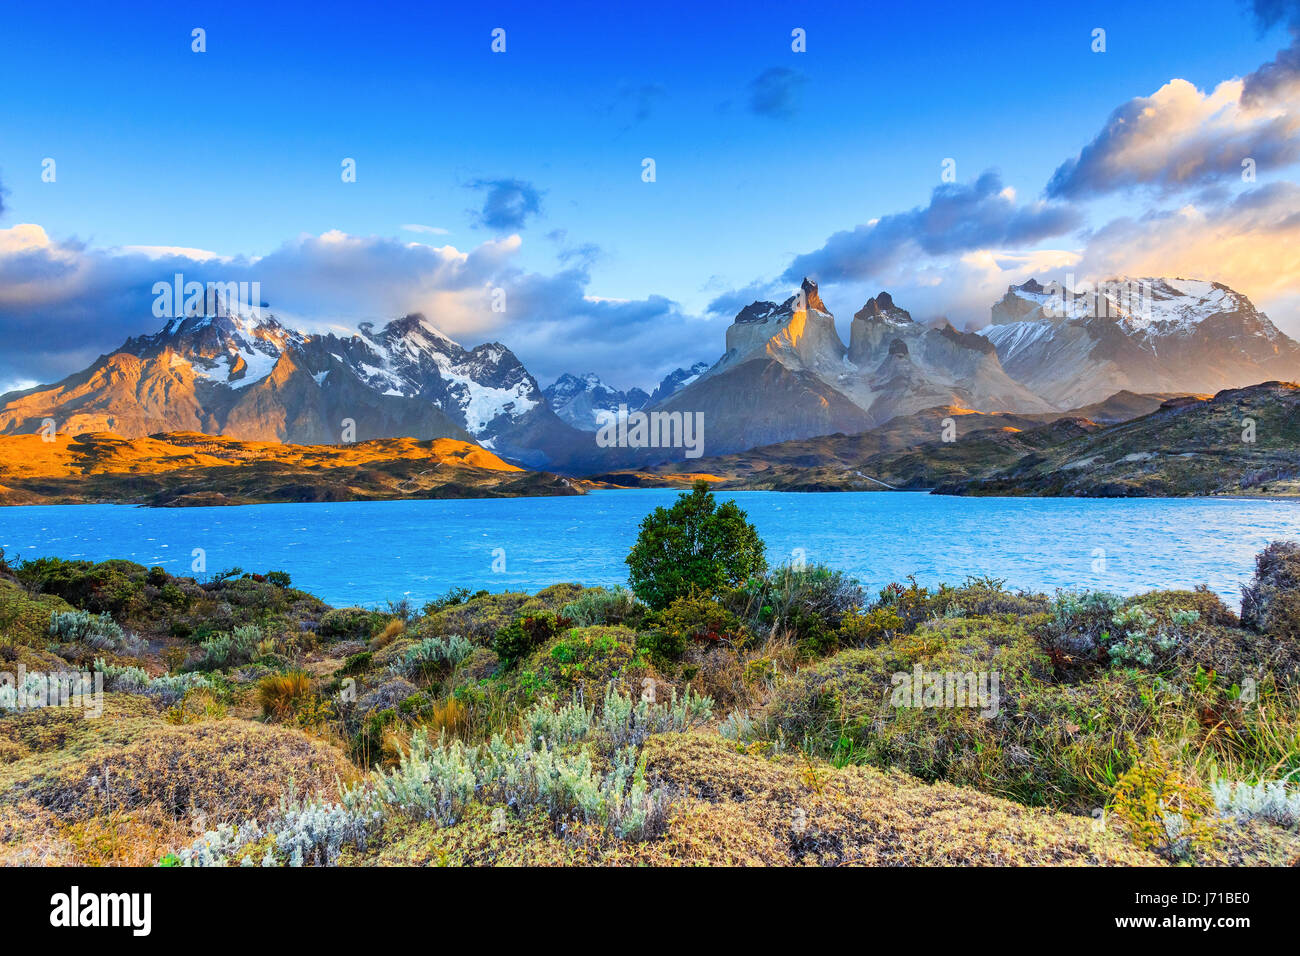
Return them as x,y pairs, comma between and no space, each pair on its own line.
188,468
1190,446
907,452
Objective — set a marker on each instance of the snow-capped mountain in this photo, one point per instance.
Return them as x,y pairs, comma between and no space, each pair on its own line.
249,376
1076,346
787,374
676,380
577,399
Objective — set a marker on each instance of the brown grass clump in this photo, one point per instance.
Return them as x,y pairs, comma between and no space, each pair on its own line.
392,630
280,695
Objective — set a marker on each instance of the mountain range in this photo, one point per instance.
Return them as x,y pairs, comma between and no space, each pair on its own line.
786,374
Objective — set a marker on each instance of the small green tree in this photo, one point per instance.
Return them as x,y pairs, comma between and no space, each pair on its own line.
696,543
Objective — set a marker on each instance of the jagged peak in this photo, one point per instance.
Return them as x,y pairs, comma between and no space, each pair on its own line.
1030,285
882,308
414,324
811,296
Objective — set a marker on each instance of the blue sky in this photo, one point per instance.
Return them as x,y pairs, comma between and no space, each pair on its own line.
237,150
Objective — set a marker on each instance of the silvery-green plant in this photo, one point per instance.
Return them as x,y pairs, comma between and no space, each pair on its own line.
313,832
630,723
1270,800
431,781
233,647
101,633
135,680
217,847
549,724
601,606
432,652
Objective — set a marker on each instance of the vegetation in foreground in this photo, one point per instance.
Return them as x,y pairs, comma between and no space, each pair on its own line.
720,713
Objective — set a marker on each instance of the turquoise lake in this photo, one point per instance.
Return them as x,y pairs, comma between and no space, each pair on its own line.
372,552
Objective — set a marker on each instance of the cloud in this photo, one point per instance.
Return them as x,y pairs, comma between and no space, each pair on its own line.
1180,137
62,304
731,301
508,203
959,218
639,98
776,92
2,198
1251,243
430,230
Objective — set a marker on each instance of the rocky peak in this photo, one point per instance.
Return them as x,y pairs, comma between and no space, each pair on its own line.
882,309
811,296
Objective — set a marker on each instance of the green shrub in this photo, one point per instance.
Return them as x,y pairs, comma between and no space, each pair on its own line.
523,635
809,604
586,656
1270,604
350,622
356,663
696,544
433,657
693,617
453,598
606,606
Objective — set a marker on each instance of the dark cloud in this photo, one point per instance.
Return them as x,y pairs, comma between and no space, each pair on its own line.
1276,79
959,218
731,301
1181,138
776,92
63,304
508,202
1178,138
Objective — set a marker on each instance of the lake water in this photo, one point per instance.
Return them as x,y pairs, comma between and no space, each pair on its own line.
371,552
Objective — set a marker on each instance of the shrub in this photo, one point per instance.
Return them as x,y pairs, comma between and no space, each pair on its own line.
692,617
809,604
523,635
432,657
280,579
349,622
1161,807
280,695
1269,800
356,663
453,598
695,544
82,627
168,688
590,656
1270,604
605,606
231,648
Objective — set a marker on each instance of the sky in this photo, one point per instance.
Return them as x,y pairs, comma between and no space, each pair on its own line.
941,152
